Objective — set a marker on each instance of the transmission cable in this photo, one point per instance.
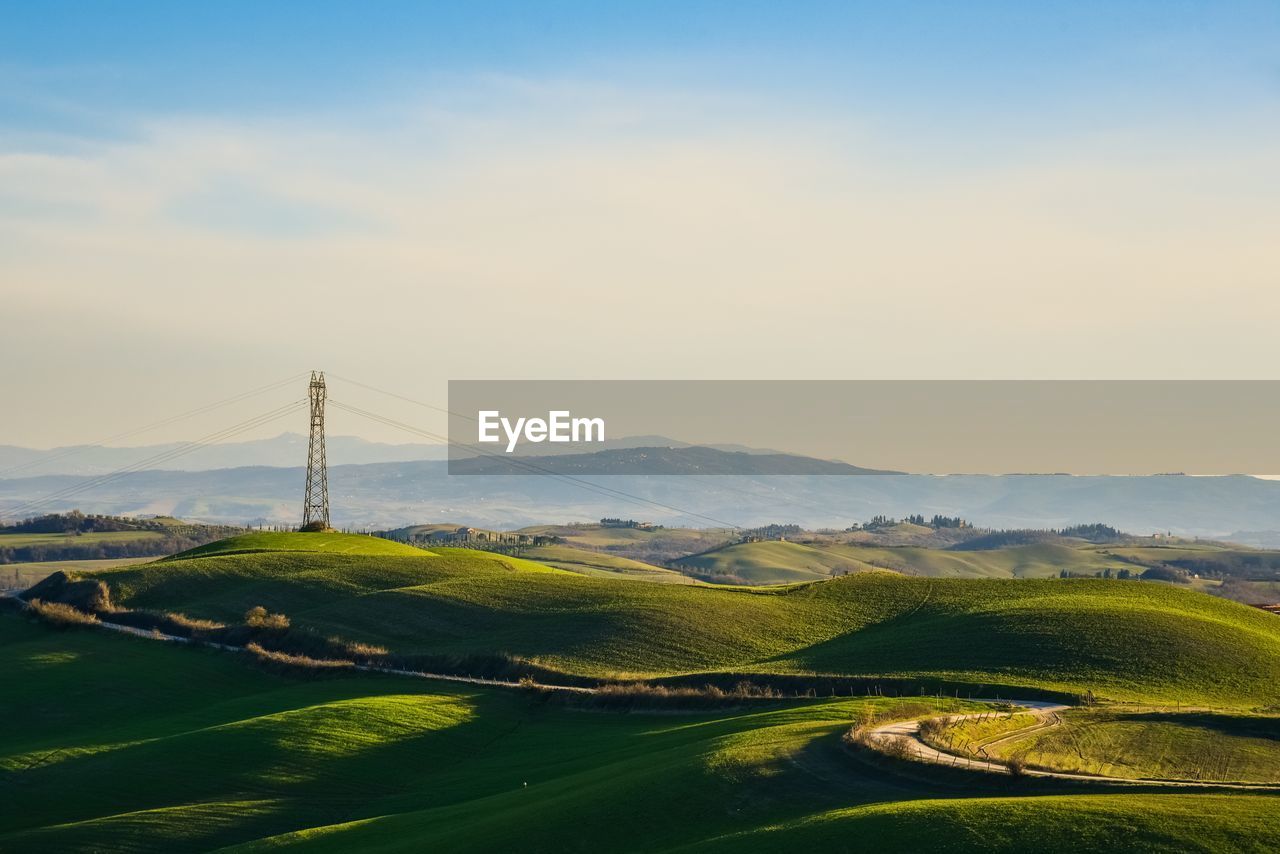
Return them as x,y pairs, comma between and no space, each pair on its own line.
26,507
80,449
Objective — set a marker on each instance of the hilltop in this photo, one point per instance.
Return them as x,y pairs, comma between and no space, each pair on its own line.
1126,640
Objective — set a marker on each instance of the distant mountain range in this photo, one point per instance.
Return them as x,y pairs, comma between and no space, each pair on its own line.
287,449
388,495
666,460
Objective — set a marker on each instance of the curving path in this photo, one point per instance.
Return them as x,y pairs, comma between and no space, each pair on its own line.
918,750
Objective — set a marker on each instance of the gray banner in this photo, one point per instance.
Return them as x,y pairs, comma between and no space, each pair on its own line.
860,427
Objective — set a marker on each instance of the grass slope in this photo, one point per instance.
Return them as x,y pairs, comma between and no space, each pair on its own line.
601,564
126,744
772,562
18,576
264,541
79,539
1124,640
1162,744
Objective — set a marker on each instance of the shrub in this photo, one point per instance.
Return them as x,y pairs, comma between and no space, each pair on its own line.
931,729
895,746
61,614
85,594
284,658
1017,765
359,650
192,624
259,617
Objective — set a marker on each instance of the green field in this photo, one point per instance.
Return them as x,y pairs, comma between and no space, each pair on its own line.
602,564
84,539
127,744
1157,745
324,543
21,575
775,562
1130,641
772,562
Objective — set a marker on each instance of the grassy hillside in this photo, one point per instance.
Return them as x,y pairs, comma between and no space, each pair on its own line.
600,564
17,576
1163,744
771,562
649,545
121,743
329,543
17,541
774,562
1125,640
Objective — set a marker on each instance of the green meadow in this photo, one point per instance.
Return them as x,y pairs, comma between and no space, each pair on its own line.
1157,744
128,744
1127,641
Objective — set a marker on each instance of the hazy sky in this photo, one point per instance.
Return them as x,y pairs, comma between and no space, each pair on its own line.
198,199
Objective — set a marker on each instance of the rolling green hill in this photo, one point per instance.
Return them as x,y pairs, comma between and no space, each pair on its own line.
601,564
125,744
775,562
772,562
1159,745
1125,640
327,543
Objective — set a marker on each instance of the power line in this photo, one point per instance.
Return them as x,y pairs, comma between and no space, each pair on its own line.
74,451
792,498
27,507
533,467
401,397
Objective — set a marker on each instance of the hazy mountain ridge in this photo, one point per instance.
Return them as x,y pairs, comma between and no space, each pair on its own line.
388,495
287,449
660,461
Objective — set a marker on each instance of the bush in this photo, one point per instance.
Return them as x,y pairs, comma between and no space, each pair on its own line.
1017,765
895,746
302,661
86,594
192,625
630,695
931,729
259,617
60,614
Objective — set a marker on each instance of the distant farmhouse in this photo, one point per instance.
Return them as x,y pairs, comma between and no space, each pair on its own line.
480,536
628,523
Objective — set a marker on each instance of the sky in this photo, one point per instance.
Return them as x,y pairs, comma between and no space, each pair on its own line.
201,199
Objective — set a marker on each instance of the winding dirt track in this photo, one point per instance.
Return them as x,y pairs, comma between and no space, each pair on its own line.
921,752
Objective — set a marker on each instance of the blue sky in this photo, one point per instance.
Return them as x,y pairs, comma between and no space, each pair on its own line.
84,66
719,190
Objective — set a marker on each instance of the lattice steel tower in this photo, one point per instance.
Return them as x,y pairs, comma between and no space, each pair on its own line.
315,506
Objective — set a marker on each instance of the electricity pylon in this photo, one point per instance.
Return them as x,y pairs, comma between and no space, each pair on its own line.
315,505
